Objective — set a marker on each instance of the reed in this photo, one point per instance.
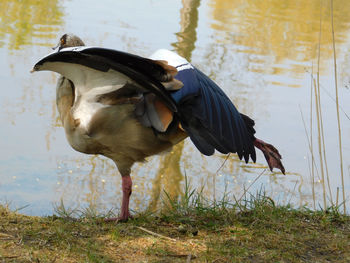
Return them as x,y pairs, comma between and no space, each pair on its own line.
314,167
316,111
337,108
312,170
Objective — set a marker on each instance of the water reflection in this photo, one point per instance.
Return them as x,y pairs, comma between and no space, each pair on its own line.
169,174
285,31
90,182
187,36
29,22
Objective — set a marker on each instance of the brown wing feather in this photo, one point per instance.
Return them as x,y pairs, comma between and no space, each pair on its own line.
172,83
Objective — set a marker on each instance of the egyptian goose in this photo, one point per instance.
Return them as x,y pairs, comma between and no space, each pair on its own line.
128,107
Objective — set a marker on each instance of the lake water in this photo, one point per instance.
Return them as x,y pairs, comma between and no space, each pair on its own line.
262,54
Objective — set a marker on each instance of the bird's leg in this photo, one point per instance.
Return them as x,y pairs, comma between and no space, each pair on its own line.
127,190
271,154
124,167
124,211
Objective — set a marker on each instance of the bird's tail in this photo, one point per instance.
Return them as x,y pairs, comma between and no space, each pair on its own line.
271,154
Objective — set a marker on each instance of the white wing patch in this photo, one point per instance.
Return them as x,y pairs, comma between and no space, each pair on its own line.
84,111
86,105
172,58
89,84
86,78
80,48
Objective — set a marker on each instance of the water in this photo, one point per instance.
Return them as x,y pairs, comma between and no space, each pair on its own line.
262,53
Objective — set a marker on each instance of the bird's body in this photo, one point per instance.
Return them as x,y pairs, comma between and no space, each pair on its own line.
127,108
97,121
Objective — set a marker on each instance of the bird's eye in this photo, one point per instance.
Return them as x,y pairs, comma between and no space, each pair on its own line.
62,41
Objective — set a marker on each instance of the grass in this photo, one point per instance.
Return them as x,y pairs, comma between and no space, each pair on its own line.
190,229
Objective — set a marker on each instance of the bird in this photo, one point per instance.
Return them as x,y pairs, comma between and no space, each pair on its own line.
128,107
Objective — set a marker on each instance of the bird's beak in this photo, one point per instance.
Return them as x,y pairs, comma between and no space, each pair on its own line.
35,68
58,47
55,47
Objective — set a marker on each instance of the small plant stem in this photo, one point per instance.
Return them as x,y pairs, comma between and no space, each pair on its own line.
308,140
317,105
311,142
337,201
216,173
291,196
312,185
337,105
214,186
246,190
333,99
320,108
155,234
323,144
320,147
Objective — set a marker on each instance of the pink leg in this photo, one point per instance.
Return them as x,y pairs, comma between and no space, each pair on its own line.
127,189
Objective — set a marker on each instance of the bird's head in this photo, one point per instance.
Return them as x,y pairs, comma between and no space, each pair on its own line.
69,40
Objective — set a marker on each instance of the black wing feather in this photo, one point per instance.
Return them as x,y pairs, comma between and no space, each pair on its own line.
210,117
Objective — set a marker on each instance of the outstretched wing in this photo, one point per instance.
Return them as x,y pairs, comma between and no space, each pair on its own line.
210,118
92,67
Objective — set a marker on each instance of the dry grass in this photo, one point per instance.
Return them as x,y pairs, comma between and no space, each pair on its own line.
190,230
